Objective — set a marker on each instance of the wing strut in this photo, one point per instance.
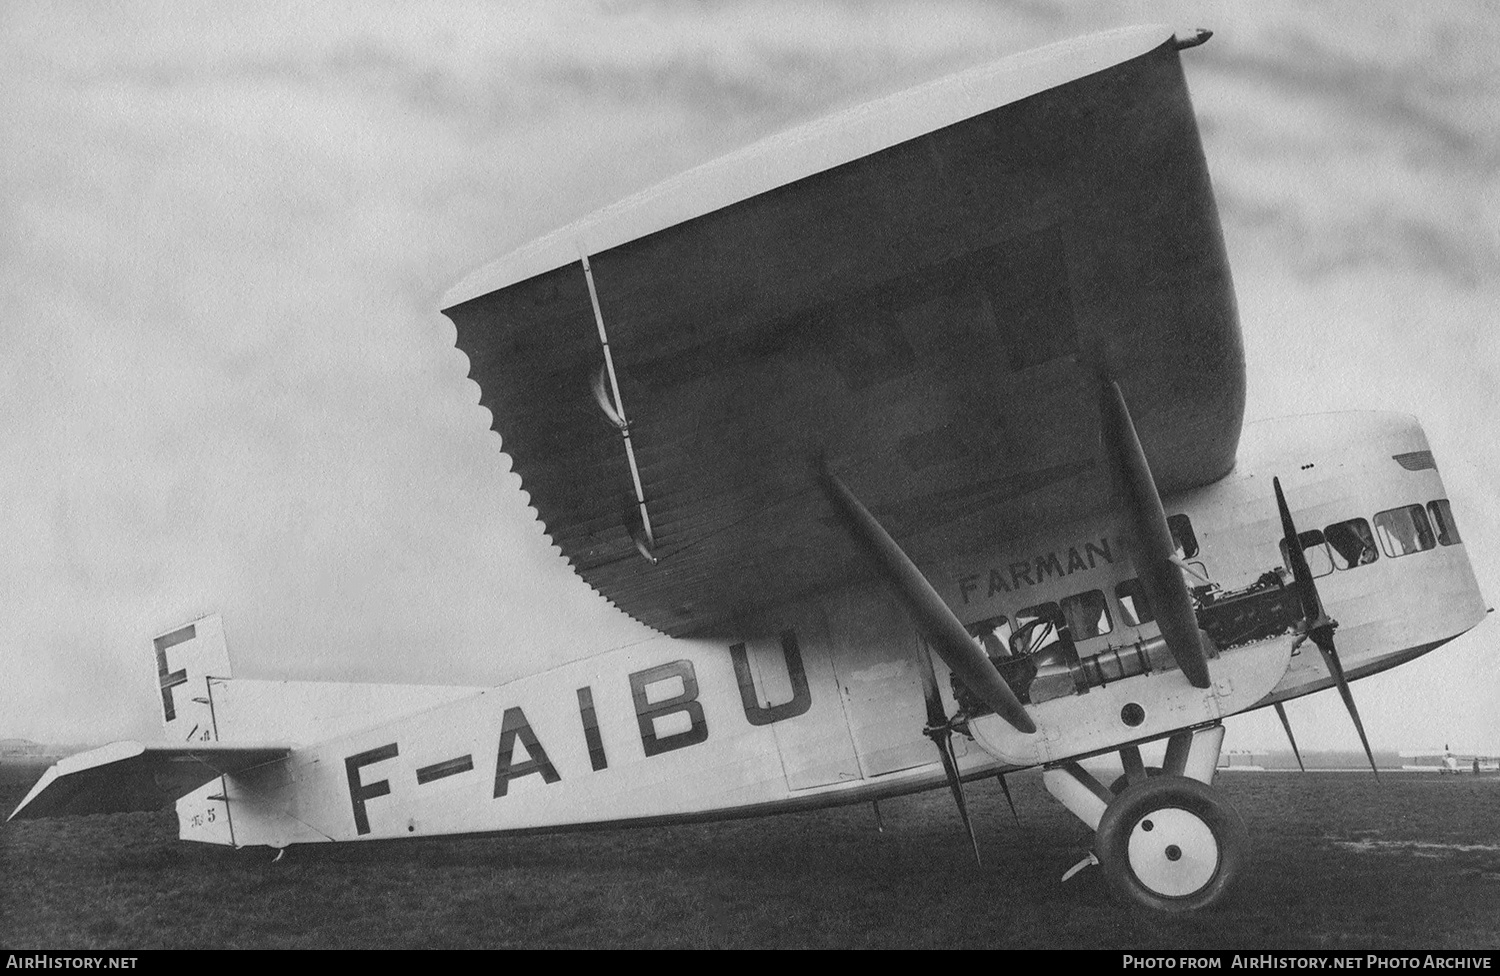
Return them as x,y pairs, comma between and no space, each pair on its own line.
614,409
937,622
1154,554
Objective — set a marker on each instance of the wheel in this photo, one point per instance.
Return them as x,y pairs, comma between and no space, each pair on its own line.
1171,844
1122,781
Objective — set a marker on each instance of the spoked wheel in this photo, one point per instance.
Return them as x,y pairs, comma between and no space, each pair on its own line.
1171,844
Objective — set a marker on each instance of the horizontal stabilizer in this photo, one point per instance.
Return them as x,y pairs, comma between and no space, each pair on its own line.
127,776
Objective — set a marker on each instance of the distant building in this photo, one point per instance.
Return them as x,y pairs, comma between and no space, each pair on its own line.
1327,759
20,749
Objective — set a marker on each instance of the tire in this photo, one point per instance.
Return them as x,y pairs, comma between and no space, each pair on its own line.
1171,844
1122,781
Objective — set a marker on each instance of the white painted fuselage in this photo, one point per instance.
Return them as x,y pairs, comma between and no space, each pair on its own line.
820,703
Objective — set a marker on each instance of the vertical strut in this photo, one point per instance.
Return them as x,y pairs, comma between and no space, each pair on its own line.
958,649
1155,553
647,543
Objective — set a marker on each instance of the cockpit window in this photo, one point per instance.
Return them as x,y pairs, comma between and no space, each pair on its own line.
1314,549
1133,603
1087,615
1351,543
1442,520
1182,535
994,634
1403,531
1042,634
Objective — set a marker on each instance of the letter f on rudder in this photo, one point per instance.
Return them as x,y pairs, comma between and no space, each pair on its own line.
186,658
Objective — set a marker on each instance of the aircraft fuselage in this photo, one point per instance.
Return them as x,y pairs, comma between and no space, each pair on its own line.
820,703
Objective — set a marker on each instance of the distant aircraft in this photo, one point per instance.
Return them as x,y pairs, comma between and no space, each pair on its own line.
1448,761
917,434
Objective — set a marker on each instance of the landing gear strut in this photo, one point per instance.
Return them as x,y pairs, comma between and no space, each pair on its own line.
1167,840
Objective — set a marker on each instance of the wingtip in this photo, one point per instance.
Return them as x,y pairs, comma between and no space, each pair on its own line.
1199,35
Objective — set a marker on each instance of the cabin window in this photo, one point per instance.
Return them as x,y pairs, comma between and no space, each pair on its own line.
1183,538
994,635
1351,544
1442,520
1043,634
1087,615
1403,531
1314,549
1134,606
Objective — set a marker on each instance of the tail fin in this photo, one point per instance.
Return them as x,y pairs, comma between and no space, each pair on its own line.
186,659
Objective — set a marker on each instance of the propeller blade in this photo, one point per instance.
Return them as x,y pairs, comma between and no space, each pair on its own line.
937,716
944,739
1281,714
1320,627
1005,788
1335,668
1302,578
940,730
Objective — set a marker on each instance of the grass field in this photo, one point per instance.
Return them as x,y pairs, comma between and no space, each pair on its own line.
1339,861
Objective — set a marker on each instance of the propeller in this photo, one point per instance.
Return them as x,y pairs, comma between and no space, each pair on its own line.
1320,626
940,730
1005,788
1281,714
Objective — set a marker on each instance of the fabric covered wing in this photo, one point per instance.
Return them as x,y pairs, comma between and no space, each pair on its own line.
127,776
922,290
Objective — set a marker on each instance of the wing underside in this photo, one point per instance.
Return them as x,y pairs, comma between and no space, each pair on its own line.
930,316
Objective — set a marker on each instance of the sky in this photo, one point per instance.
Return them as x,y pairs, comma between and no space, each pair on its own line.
225,229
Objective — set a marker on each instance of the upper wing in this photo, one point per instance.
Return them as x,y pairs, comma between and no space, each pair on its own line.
128,776
921,290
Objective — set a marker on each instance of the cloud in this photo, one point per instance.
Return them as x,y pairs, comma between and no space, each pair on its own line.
225,227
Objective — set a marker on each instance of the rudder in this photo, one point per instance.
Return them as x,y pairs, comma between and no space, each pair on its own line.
186,658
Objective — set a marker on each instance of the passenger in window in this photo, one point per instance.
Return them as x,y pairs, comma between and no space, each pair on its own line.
1086,615
1352,543
994,635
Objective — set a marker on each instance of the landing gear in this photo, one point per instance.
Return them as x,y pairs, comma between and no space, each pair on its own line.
1163,837
1171,844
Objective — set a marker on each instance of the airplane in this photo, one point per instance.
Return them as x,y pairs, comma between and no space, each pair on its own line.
917,436
1449,762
